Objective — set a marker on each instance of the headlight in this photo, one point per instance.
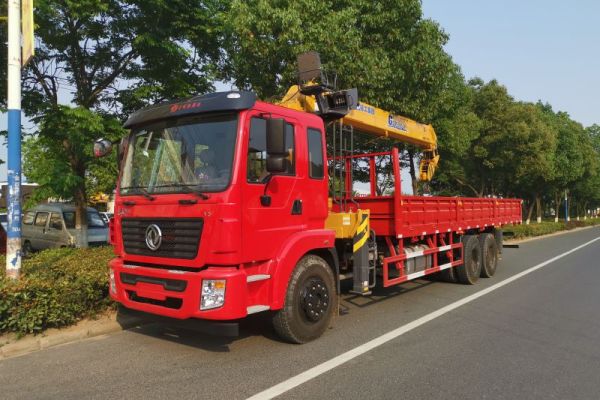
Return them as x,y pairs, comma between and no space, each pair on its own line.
213,294
112,283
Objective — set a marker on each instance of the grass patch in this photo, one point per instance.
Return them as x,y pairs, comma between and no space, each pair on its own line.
57,288
546,227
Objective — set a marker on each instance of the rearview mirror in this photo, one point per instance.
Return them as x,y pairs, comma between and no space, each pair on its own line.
275,136
276,164
102,147
276,151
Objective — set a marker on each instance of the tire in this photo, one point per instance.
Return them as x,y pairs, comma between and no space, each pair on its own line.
27,249
470,270
489,255
310,302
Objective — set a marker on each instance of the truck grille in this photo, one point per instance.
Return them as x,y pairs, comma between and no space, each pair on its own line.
180,237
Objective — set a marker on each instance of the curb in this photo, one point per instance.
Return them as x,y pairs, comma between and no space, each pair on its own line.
12,346
558,233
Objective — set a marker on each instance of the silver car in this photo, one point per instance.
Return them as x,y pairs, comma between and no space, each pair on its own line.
53,225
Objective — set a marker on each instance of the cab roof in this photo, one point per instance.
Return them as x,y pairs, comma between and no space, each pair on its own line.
214,102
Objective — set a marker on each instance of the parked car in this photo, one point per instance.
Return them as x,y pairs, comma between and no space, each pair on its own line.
53,225
106,216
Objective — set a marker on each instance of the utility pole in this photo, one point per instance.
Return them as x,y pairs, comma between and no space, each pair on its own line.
13,243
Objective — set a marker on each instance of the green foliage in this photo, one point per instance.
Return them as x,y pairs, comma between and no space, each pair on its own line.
111,55
58,288
546,227
385,49
60,157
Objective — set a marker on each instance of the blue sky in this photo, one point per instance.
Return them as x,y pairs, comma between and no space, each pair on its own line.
546,50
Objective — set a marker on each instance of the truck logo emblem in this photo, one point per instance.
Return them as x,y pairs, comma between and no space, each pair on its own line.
153,237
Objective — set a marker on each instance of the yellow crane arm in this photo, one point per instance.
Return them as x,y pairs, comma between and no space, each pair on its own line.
375,121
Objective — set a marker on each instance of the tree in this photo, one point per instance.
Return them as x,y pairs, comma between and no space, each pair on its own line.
569,159
457,128
586,190
107,58
534,145
493,145
68,134
386,49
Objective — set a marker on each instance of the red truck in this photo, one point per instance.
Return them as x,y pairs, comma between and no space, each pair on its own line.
228,206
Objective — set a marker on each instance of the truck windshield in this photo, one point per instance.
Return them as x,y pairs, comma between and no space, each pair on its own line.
180,156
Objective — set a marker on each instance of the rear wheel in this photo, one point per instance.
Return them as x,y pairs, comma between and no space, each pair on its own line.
310,302
489,253
469,272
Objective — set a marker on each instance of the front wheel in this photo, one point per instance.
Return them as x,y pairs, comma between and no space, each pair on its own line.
310,302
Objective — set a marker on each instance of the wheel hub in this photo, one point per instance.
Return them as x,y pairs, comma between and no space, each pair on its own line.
315,299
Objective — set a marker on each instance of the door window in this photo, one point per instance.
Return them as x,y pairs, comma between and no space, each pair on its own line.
28,218
41,218
257,150
56,222
93,219
315,154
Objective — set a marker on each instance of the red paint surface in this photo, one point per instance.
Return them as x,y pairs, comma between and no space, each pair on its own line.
241,237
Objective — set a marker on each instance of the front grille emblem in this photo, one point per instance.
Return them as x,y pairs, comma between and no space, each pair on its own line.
153,237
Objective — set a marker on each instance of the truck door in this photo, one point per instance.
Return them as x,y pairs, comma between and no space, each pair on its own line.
315,187
55,234
38,236
267,226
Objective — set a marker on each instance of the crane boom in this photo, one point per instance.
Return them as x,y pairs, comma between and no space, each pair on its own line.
378,122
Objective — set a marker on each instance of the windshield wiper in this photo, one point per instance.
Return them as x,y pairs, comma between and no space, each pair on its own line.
143,191
188,188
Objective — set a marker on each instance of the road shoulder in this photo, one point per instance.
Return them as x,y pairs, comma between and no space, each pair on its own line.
13,345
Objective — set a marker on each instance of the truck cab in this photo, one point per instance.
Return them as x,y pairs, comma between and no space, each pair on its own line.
224,208
211,216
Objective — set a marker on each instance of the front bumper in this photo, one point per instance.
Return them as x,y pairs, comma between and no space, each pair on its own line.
176,294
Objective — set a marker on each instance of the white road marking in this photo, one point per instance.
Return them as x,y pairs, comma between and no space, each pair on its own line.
320,369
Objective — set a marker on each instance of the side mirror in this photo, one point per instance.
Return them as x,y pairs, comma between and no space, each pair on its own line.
276,163
276,153
102,147
276,136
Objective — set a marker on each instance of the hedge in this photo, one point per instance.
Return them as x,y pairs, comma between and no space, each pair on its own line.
57,288
545,227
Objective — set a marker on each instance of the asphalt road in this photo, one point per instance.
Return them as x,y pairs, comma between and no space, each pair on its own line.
535,338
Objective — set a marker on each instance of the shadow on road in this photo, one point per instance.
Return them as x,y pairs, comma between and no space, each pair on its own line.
253,325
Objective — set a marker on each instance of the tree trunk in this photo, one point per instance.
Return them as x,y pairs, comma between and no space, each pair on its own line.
530,212
81,217
556,206
538,207
413,174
